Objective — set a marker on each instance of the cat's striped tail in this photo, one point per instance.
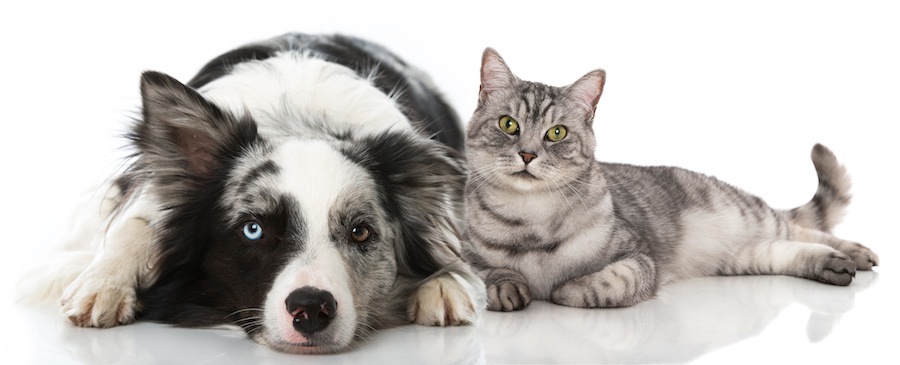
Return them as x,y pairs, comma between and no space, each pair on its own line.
827,207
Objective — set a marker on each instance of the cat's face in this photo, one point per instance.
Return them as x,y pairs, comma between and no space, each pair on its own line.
529,136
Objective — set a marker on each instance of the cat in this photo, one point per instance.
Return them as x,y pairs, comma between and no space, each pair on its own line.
546,221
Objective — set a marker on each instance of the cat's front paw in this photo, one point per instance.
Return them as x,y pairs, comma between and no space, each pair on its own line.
97,300
864,257
834,268
507,290
442,301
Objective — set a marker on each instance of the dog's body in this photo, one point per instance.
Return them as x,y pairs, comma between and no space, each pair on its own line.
291,188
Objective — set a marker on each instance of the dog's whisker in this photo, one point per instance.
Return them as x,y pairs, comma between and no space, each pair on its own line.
244,310
242,321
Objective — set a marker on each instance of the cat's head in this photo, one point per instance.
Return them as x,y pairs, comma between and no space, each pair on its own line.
527,135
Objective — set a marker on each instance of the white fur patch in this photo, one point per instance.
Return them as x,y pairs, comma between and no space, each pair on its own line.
444,301
315,175
104,294
319,266
293,86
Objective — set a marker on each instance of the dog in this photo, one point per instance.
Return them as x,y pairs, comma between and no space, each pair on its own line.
306,188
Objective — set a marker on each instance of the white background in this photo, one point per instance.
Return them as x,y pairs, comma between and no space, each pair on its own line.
741,91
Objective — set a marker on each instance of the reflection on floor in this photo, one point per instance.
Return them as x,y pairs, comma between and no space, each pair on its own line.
685,321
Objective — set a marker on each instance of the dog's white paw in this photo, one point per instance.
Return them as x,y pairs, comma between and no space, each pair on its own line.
98,300
442,301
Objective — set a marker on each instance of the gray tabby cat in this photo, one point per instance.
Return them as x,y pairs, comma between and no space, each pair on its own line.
546,221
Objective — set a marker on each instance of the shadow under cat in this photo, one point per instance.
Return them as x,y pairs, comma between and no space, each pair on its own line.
685,321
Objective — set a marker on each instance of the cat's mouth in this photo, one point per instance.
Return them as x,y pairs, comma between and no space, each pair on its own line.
525,175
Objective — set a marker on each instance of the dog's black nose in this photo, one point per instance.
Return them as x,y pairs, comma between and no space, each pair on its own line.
312,309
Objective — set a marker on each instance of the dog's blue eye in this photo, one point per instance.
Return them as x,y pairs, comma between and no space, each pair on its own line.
253,231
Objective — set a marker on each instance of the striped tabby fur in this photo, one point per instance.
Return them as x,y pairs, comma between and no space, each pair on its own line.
546,221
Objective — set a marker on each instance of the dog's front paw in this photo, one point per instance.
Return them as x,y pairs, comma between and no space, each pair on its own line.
96,300
442,301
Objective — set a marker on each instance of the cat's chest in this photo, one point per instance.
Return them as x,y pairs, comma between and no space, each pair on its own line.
542,236
535,219
581,254
516,211
530,208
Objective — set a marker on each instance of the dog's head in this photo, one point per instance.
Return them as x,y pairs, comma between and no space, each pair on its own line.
304,243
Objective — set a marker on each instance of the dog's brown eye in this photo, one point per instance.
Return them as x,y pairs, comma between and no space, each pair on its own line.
360,234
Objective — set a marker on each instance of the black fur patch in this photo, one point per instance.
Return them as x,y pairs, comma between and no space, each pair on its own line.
266,169
420,102
222,65
187,146
214,273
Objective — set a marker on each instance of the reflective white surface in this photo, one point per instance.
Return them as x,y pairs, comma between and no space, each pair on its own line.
767,319
738,90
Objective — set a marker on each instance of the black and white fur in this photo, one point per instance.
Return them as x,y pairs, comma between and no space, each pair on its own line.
305,188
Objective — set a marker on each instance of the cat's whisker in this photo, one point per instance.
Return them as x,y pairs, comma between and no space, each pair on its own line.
580,196
575,191
559,190
479,177
474,185
570,185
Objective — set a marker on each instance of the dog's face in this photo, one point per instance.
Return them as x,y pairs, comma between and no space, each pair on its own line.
304,243
311,223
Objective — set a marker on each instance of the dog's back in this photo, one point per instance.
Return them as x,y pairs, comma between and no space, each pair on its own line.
411,89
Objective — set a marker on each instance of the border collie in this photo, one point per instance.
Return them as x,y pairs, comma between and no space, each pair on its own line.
306,188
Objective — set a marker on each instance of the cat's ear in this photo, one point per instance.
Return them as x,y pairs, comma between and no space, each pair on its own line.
495,75
586,91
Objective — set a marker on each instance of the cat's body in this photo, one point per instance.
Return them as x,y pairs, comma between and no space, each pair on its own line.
546,221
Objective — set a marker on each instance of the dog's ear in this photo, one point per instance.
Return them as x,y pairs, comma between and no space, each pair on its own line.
422,185
182,136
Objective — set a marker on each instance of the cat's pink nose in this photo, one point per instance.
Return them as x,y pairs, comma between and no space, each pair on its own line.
527,156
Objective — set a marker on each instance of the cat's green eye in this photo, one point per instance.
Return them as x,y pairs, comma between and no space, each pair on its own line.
509,125
557,133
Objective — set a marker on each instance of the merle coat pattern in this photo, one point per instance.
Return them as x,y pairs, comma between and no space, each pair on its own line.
307,189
